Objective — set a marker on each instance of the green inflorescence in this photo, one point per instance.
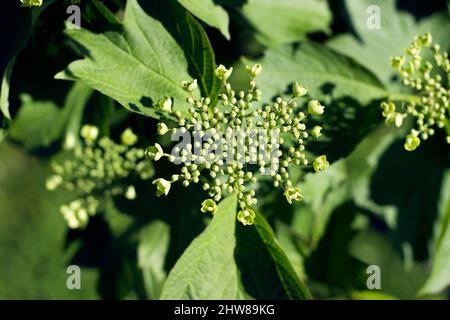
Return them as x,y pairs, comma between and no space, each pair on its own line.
99,168
239,111
430,82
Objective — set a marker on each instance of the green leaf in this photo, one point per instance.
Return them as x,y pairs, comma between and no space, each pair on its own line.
440,277
210,13
207,270
373,48
136,67
41,123
152,250
221,263
319,69
266,271
192,38
34,125
284,21
397,279
37,264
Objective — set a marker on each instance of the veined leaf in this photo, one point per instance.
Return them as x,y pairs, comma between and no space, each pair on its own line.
207,270
317,68
137,66
230,261
210,13
284,21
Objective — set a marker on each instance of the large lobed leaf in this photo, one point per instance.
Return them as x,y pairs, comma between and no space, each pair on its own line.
210,13
143,62
284,21
318,68
230,261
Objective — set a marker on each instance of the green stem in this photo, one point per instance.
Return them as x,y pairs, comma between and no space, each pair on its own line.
404,97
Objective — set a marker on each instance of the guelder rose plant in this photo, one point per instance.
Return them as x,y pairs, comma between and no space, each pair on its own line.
430,106
227,148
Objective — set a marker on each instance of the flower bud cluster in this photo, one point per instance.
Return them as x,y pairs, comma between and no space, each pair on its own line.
97,169
430,107
230,126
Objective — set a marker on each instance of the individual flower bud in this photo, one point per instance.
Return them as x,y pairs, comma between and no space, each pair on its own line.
130,194
189,86
315,108
298,90
397,62
316,131
53,182
254,70
293,194
154,152
128,138
246,216
426,39
388,108
162,128
89,133
320,163
398,121
223,73
411,142
165,104
162,187
209,205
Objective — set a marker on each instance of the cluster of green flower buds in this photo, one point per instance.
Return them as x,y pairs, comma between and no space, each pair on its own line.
99,168
430,107
31,3
268,139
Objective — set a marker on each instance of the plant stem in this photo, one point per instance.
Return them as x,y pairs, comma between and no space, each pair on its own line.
404,97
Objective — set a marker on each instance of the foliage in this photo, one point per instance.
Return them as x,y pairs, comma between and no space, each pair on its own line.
138,70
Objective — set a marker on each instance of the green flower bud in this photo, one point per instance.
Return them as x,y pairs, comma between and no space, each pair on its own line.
315,108
320,163
246,216
293,194
209,205
53,182
162,187
397,62
223,73
162,128
426,39
189,86
388,108
411,142
89,133
165,104
128,138
254,70
316,131
298,90
154,152
130,194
